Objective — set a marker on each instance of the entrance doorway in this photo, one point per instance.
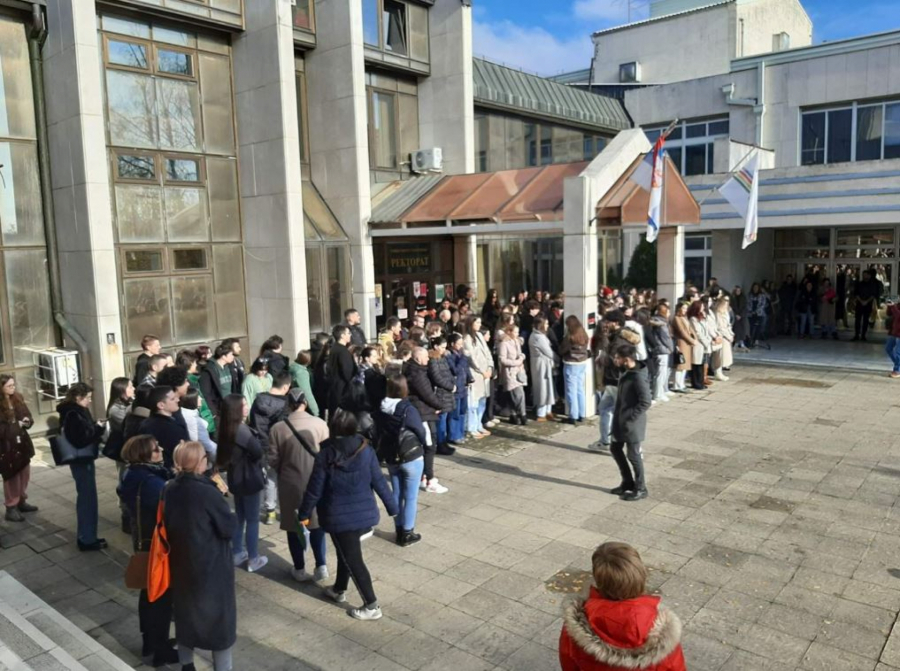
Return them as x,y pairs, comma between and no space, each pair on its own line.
412,275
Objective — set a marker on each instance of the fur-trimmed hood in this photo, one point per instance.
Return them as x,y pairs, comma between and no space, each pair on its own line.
636,634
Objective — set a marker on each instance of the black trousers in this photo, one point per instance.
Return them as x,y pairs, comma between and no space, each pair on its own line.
631,467
489,408
697,376
517,400
863,313
352,565
154,620
430,451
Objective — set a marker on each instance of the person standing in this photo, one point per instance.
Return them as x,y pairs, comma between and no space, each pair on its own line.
685,340
155,365
197,427
189,360
630,425
200,527
341,367
293,446
806,307
444,384
140,490
892,344
162,425
722,313
512,373
269,408
150,346
758,314
423,397
459,367
482,364
121,395
217,379
78,426
662,351
271,351
240,453
352,320
787,296
573,350
345,475
739,307
866,298
827,307
543,361
301,378
238,371
258,381
16,449
390,337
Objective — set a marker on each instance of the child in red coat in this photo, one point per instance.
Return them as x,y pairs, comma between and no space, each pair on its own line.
619,627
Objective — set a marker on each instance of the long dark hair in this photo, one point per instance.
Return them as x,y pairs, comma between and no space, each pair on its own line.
272,343
230,420
9,403
576,332
116,392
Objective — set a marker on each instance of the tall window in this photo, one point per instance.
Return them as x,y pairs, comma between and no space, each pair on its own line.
396,27
691,145
170,118
698,259
302,15
302,108
393,121
860,132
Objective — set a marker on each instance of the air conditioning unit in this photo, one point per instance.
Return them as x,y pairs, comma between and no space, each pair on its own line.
428,160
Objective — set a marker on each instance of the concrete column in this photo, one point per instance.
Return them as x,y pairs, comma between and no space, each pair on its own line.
446,98
80,183
465,261
339,145
670,263
271,195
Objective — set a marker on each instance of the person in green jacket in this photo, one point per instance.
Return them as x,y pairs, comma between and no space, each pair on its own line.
189,360
302,380
258,381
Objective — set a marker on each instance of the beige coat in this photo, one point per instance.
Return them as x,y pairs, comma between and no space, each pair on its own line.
685,339
512,360
723,323
294,464
481,362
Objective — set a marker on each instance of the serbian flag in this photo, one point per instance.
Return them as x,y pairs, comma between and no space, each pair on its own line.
654,215
742,193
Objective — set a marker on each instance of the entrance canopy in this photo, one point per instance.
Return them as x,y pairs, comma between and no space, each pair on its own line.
626,204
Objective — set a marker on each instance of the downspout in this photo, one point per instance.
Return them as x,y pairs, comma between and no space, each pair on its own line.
758,104
36,39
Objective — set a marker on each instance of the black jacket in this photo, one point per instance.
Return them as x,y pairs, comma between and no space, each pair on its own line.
211,386
147,482
357,335
168,432
632,403
807,300
268,409
375,384
141,368
444,381
421,391
393,416
200,526
238,373
277,362
341,370
78,425
246,448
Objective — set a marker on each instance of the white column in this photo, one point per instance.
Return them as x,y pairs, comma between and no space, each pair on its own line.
339,145
465,261
271,196
670,263
80,183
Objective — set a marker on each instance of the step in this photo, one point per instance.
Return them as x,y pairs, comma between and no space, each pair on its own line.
33,636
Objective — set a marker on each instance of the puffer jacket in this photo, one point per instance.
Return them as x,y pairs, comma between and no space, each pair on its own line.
76,422
268,409
603,635
662,337
341,488
462,373
421,391
394,415
148,482
443,380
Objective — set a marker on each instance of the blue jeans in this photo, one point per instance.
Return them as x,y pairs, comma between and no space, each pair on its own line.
605,408
474,413
87,510
807,317
442,433
315,538
892,347
456,423
247,510
405,479
574,376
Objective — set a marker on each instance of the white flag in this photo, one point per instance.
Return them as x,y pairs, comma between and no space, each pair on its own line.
654,215
742,192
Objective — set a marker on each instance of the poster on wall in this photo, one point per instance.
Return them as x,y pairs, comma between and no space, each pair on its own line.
422,296
402,313
438,293
448,292
379,301
417,289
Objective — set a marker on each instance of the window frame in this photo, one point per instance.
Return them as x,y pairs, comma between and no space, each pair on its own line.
312,19
116,153
191,53
370,95
682,142
854,108
301,88
128,39
200,159
143,247
177,247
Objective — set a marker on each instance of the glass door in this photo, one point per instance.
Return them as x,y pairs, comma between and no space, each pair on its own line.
847,278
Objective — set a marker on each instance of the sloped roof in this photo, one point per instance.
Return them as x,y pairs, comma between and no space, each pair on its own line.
499,86
398,197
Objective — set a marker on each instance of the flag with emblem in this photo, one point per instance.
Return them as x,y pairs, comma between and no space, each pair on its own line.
742,193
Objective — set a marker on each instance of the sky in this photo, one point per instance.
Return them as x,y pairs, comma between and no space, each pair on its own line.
549,37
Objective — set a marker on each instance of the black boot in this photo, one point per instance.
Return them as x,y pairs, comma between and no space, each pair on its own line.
445,449
514,419
523,420
405,538
126,524
636,495
621,489
165,657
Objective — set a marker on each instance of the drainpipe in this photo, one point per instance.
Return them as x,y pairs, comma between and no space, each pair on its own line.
36,39
758,104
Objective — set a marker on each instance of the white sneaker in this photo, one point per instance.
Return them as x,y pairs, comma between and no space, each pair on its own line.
366,613
241,557
337,597
721,377
257,563
300,575
321,573
664,399
435,487
493,423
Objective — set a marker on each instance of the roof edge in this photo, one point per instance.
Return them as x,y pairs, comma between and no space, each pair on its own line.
655,19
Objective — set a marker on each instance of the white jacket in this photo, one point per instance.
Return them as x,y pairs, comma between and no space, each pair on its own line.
198,430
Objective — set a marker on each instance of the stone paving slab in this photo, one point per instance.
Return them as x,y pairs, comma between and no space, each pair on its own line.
772,529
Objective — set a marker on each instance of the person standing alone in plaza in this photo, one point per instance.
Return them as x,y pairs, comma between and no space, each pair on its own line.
892,344
16,450
629,427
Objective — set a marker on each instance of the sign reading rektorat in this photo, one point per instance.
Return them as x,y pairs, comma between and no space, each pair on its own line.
409,258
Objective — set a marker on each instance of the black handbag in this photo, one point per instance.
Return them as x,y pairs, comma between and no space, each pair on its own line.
65,453
114,444
246,476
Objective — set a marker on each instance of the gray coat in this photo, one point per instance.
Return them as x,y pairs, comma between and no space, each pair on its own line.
480,361
200,526
542,360
511,359
632,403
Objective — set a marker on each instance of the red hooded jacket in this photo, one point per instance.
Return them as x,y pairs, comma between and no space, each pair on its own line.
603,635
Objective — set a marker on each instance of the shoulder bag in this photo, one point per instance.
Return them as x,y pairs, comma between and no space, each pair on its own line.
300,439
246,476
137,570
158,562
65,453
409,447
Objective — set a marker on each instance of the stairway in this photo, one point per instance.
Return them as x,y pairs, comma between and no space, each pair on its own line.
34,637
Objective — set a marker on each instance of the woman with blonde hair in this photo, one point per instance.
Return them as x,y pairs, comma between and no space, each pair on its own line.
723,316
200,526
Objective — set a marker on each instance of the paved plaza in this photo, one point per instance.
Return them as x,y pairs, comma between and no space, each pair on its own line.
771,529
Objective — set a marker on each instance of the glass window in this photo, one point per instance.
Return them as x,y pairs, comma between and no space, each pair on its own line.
855,237
384,129
675,134
218,112
143,261
174,62
710,158
370,22
840,124
696,130
868,133
409,126
338,284
124,27
628,72
481,142
892,131
129,54
179,114
16,101
130,166
675,154
694,242
695,159
186,214
189,259
418,32
21,209
718,127
314,289
302,15
28,293
588,144
176,37
182,169
228,270
531,143
653,135
812,143
139,214
546,145
393,23
131,99
318,214
192,303
696,271
803,237
302,115
515,143
224,210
